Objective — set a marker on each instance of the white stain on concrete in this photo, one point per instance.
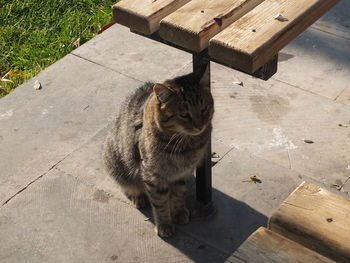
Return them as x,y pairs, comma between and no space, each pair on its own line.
281,140
236,144
8,114
44,112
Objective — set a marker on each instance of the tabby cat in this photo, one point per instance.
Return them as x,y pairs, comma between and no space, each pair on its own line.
160,136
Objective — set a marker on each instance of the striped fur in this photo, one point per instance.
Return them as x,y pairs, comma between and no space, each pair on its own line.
160,136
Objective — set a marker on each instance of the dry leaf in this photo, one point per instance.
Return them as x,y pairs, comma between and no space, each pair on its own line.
105,27
253,178
37,85
308,141
337,186
280,17
342,125
76,43
5,79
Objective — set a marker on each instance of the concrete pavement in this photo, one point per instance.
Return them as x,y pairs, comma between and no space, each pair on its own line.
58,205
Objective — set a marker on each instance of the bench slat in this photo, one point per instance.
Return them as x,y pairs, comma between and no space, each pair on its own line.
251,41
192,25
265,246
144,16
317,219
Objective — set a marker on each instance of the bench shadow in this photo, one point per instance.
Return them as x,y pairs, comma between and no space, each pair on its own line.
330,37
215,239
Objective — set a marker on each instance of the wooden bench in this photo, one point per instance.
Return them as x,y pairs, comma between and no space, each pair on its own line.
245,35
317,219
265,246
311,225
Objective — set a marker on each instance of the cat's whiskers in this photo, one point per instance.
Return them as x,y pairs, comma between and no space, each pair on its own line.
172,153
179,144
171,139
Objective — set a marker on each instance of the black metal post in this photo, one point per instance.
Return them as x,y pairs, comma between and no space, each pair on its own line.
205,207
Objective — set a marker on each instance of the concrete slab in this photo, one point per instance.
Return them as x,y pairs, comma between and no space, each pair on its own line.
336,21
39,128
63,219
242,206
344,97
317,62
271,120
133,55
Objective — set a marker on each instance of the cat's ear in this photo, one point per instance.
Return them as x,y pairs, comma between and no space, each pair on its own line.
204,80
162,92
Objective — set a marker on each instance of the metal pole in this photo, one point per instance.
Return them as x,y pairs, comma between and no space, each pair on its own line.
205,207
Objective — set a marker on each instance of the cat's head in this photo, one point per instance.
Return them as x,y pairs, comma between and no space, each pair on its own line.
185,104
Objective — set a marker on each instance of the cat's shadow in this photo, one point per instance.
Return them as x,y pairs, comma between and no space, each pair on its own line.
214,240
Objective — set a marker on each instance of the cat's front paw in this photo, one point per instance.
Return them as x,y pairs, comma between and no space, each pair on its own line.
165,230
182,217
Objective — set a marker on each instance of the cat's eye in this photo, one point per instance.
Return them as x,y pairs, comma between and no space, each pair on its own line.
185,116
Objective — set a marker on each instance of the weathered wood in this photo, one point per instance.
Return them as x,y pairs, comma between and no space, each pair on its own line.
192,25
265,246
267,70
255,38
317,219
144,16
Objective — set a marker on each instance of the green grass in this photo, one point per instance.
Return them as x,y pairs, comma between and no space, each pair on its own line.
36,33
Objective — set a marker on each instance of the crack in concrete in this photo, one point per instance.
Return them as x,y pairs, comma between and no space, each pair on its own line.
315,27
340,93
93,186
98,64
311,92
35,180
57,163
341,187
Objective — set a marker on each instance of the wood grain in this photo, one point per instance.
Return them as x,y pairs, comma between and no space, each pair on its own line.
317,219
192,25
254,39
265,246
143,16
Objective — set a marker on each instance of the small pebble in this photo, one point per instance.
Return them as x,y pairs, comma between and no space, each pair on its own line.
37,85
308,141
329,220
240,83
280,17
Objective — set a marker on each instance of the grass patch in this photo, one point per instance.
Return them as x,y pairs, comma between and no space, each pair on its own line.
36,33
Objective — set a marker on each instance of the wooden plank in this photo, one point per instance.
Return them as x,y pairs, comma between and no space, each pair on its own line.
251,41
143,16
192,25
265,246
317,219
